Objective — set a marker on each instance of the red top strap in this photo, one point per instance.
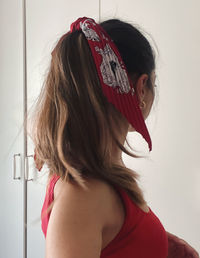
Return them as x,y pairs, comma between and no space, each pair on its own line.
49,197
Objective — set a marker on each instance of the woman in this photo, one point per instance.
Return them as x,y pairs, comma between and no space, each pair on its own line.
100,86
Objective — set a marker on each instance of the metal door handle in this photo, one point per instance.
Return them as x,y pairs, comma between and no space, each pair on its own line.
27,168
14,166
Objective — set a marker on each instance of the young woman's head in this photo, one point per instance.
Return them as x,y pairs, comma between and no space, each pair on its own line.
77,132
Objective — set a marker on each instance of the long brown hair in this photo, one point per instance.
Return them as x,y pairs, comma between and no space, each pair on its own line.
74,126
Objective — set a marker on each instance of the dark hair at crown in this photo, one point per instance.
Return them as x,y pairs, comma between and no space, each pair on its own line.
134,48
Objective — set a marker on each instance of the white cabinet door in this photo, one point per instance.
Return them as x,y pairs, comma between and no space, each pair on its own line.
11,132
46,22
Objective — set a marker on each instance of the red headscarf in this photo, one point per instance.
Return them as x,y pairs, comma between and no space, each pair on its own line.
115,81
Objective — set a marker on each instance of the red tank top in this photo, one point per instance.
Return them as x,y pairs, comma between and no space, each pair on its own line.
142,235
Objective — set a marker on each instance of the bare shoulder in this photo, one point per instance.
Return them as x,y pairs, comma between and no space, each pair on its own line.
101,197
82,217
98,197
76,221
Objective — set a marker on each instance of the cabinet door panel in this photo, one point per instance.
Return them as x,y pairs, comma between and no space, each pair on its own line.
11,132
47,21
